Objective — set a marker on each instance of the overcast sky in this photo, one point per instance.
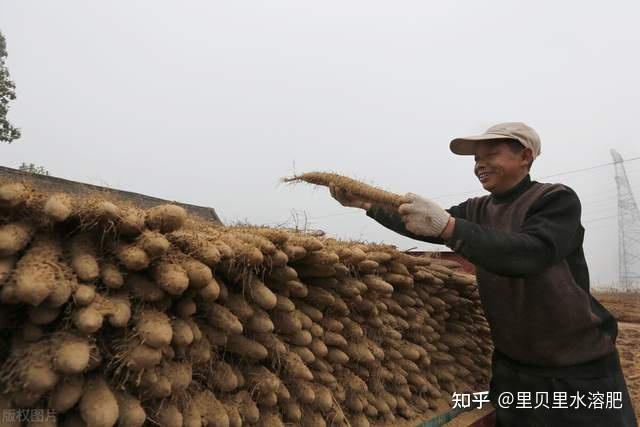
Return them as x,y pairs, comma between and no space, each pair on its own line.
212,102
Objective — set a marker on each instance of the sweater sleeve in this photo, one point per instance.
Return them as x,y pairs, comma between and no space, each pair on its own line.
550,232
393,221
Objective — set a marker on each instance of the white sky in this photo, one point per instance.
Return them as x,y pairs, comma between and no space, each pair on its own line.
212,102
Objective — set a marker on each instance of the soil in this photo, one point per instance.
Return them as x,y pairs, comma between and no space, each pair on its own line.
625,306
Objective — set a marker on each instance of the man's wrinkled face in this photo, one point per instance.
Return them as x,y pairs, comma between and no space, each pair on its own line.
499,166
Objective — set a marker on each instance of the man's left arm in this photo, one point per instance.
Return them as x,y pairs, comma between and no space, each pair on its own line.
393,221
549,233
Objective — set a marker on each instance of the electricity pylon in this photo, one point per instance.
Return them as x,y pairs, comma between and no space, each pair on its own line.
628,229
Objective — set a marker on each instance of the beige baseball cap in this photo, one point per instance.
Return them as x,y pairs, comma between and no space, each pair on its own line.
511,130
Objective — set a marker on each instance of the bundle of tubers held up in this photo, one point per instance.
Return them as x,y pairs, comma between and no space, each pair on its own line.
113,315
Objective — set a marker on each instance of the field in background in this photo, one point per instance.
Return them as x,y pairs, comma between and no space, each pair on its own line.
625,306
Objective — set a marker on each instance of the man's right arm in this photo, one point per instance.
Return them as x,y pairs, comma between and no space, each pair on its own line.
393,221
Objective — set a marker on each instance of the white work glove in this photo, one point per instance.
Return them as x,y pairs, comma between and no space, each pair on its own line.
423,217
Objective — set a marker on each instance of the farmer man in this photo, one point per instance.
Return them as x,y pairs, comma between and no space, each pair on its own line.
552,339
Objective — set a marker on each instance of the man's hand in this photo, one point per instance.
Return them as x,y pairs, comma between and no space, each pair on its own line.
424,216
348,199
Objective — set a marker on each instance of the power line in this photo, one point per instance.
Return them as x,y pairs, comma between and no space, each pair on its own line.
599,219
589,168
606,199
333,215
543,177
340,214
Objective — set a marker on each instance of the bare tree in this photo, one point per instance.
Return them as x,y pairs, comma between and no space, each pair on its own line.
31,168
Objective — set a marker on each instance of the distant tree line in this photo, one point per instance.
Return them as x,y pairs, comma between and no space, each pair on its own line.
31,168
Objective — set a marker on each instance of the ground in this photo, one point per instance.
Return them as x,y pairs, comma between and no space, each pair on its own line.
626,308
